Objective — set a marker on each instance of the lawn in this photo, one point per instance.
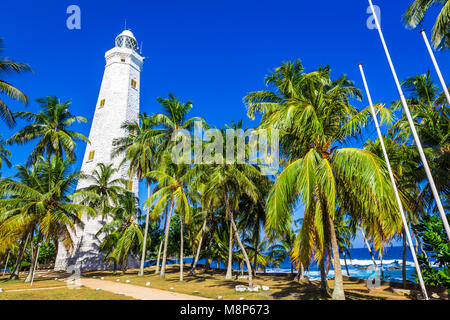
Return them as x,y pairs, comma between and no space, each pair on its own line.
212,285
45,288
62,294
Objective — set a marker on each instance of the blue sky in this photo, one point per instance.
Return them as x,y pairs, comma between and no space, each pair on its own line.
211,52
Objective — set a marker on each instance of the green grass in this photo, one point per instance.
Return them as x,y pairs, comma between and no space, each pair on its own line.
212,285
63,294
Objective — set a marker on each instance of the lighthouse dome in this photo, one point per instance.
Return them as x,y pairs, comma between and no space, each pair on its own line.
127,40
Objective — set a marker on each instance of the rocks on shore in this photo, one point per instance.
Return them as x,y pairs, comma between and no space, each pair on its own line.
240,288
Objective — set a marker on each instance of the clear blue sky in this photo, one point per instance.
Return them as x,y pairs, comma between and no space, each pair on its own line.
211,52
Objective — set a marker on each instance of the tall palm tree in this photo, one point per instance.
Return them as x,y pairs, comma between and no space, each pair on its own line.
315,115
139,150
8,66
51,128
230,181
40,201
432,120
104,190
4,154
123,233
172,118
173,191
415,16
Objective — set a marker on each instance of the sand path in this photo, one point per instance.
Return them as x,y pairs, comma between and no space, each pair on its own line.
136,292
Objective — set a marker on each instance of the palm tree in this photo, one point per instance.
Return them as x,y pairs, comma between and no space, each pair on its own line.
404,161
432,120
4,154
415,16
314,114
51,127
230,181
173,192
104,190
123,234
40,201
172,119
7,66
139,148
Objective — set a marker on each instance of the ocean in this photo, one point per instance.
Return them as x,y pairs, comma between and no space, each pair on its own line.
357,263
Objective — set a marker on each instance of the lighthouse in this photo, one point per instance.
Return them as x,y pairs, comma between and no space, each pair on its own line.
118,101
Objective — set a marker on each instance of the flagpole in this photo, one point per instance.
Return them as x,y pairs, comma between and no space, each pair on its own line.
394,185
412,126
436,66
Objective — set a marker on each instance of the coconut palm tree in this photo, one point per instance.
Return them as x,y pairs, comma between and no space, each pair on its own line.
8,66
51,128
415,16
432,120
315,115
4,154
40,201
139,150
172,119
173,191
230,181
123,235
104,190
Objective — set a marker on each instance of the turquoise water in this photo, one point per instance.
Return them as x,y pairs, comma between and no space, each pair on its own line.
358,264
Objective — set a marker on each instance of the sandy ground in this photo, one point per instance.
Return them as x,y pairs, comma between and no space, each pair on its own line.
136,292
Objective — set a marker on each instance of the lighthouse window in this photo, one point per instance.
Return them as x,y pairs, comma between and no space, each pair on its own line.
102,103
133,83
91,155
129,185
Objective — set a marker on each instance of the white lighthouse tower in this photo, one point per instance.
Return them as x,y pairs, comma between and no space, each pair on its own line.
118,101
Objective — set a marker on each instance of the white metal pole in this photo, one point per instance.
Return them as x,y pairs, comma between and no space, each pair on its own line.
394,185
413,128
6,265
436,66
35,264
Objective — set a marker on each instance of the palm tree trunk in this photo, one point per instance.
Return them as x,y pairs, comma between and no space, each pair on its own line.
346,266
34,256
197,255
158,260
15,272
244,253
300,273
181,247
381,265
368,248
166,241
255,261
323,278
229,274
404,259
255,245
338,291
144,246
